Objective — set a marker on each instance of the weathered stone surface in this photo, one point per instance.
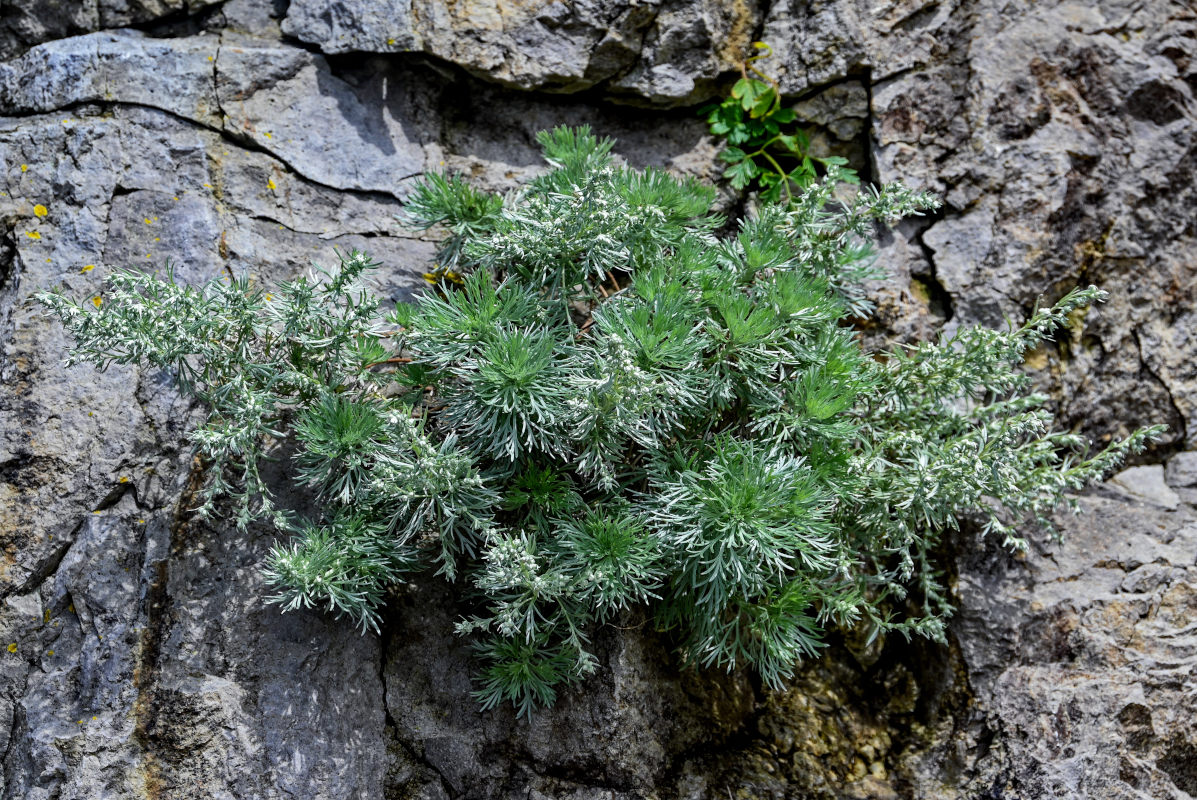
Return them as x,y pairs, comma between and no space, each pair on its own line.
142,672
24,23
1061,135
661,51
1068,675
1147,483
287,101
175,76
1081,659
640,712
1181,475
1032,122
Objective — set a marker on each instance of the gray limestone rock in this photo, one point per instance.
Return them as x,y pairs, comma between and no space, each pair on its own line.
1081,656
657,51
257,136
1032,123
641,712
24,23
1147,483
1181,475
125,67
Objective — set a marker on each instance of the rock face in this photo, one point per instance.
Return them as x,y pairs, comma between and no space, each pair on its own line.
1083,658
258,135
660,51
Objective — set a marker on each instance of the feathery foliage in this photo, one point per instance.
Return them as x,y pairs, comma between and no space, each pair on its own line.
613,409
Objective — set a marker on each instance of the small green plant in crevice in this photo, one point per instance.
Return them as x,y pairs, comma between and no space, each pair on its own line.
614,410
766,150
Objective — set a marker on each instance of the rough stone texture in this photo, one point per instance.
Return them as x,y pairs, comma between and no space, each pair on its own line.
1061,136
659,51
1147,483
1081,659
23,24
257,135
1181,475
625,732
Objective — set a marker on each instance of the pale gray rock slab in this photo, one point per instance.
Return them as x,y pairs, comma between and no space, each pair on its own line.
25,23
1080,655
1147,483
283,100
525,44
663,52
287,102
1181,475
125,66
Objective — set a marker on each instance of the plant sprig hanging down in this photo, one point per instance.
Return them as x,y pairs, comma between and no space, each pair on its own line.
766,150
614,412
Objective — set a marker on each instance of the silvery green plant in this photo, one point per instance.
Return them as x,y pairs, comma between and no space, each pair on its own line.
610,409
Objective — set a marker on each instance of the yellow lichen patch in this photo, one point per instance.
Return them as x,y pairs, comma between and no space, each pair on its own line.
12,648
49,652
267,134
1036,359
97,301
391,42
736,41
88,268
33,234
124,479
71,608
24,167
45,616
270,184
39,210
147,221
